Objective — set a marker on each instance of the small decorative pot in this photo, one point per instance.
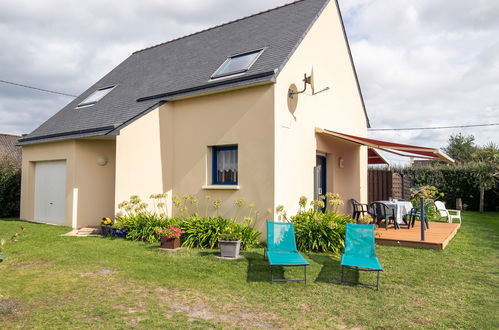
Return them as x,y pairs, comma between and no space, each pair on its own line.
169,243
107,230
229,249
120,232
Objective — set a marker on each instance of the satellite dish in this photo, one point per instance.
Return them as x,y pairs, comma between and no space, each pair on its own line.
311,81
306,80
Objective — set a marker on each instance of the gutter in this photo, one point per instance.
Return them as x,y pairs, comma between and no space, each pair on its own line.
208,85
56,135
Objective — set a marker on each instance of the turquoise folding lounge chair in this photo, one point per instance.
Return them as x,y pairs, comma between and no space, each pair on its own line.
281,249
359,252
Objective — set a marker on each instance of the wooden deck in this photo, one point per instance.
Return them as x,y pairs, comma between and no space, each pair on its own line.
437,237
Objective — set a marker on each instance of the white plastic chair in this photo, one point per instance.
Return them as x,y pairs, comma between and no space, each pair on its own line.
449,214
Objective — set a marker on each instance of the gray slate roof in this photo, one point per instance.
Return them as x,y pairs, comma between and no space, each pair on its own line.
184,66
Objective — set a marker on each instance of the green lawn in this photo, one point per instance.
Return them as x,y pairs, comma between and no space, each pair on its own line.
49,281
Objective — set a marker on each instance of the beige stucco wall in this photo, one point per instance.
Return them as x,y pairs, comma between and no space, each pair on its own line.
168,150
138,159
346,181
95,183
324,51
89,187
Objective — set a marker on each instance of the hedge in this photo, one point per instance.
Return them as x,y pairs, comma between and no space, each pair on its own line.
455,182
10,190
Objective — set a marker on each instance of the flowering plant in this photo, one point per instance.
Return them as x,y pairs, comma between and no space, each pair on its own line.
230,234
170,232
106,222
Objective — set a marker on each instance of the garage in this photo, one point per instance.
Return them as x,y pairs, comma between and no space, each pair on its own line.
50,191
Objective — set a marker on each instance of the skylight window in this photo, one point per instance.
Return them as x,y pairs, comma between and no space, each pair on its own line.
237,64
95,97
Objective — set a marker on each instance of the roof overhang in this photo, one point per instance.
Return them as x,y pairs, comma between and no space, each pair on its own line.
404,150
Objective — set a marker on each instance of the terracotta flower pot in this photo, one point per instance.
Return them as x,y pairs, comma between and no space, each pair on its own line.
169,243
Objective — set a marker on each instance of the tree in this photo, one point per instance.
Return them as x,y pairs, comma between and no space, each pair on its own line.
486,163
461,148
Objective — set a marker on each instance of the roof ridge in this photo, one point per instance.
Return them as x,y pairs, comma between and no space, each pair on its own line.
219,25
7,134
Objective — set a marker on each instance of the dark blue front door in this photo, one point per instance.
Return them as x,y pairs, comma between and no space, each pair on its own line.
320,177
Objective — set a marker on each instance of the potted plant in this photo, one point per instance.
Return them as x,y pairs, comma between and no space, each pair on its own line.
170,237
230,243
365,219
119,230
106,225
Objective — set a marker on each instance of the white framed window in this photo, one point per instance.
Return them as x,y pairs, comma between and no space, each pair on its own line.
237,64
95,97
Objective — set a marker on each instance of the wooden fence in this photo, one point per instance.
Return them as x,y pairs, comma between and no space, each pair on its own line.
385,184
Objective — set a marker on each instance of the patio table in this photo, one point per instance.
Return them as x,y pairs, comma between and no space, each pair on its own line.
401,208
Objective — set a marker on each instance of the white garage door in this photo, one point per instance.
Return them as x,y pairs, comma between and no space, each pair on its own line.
50,191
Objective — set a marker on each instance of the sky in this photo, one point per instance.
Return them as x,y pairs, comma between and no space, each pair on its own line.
420,63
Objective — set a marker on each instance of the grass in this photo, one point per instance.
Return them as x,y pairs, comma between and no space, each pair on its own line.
51,281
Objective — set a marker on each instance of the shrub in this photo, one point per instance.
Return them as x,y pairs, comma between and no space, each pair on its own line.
430,194
321,232
143,226
202,232
250,236
206,232
139,224
10,190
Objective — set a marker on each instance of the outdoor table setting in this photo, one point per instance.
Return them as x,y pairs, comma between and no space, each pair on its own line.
399,208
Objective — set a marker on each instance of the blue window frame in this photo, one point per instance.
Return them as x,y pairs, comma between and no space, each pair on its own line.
224,167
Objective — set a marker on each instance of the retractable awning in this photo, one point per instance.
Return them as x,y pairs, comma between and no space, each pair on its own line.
374,157
404,150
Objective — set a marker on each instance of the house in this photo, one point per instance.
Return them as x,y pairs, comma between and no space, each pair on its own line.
243,110
9,152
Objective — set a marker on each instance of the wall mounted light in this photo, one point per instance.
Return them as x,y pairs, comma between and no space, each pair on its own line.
341,163
102,160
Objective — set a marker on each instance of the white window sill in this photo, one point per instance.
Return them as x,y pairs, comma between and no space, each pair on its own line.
221,187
